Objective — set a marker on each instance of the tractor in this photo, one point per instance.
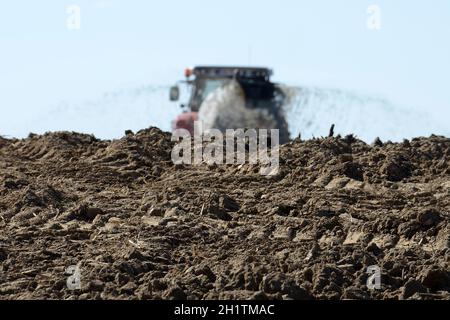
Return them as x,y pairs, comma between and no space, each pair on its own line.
231,98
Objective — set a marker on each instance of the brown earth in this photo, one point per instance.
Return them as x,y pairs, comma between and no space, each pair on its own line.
141,227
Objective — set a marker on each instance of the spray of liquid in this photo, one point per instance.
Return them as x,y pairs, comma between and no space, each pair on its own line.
309,112
110,114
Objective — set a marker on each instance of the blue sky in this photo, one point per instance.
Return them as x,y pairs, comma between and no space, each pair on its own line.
133,43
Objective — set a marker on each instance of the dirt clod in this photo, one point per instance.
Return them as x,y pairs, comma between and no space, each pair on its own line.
412,287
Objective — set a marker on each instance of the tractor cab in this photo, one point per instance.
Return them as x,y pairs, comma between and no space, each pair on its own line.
255,82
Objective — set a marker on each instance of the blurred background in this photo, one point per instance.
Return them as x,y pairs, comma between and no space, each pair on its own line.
113,72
